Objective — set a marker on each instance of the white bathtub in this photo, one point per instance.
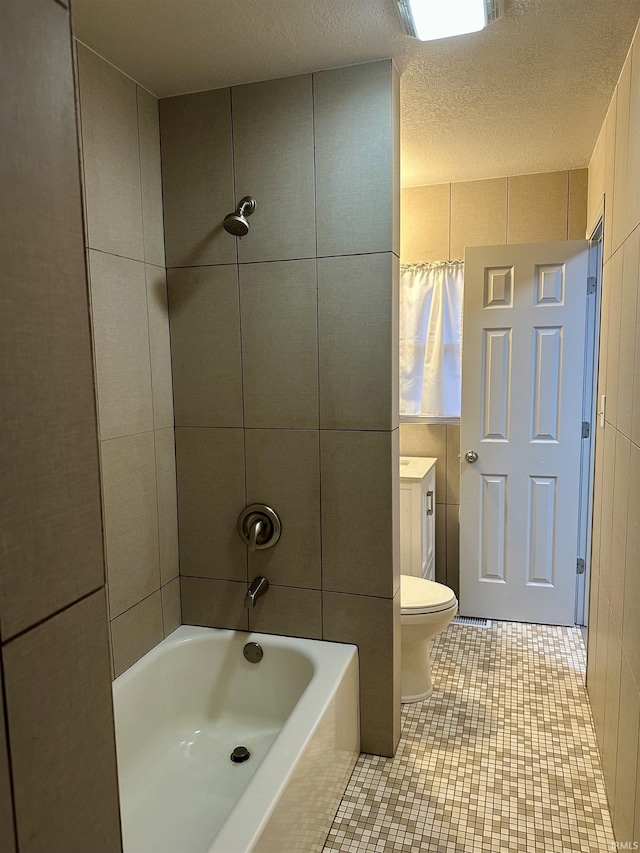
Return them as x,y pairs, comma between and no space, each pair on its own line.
183,708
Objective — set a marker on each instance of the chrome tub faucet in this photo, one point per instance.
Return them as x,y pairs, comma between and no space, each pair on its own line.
258,587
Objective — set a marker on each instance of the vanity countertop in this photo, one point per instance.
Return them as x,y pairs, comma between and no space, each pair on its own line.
415,467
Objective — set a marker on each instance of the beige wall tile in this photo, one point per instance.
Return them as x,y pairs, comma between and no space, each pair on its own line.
358,364
453,548
369,624
130,520
428,440
619,528
214,603
604,328
288,611
278,172
453,464
441,544
211,496
197,178
111,157
165,452
611,710
7,828
171,610
425,215
596,182
279,344
354,179
159,347
627,757
633,148
597,493
283,471
121,345
631,621
136,631
60,718
592,633
628,332
150,177
609,175
598,687
613,336
538,207
357,512
205,346
478,214
49,492
606,523
635,407
622,140
578,192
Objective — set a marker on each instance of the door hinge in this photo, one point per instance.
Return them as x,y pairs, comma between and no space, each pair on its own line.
586,429
580,566
592,281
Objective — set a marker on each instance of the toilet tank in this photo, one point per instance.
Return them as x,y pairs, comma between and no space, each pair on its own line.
417,516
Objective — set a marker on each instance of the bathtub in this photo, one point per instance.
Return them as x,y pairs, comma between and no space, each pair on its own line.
182,709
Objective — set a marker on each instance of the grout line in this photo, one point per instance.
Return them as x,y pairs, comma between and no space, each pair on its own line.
239,295
506,234
450,220
315,214
52,615
144,247
10,774
568,202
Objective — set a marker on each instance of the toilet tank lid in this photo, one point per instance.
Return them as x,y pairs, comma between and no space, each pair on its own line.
421,596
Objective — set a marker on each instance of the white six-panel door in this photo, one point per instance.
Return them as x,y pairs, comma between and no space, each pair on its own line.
522,385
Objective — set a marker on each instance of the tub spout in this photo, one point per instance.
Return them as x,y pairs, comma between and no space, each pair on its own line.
258,587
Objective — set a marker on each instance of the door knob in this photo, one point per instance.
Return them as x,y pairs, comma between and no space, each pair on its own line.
471,456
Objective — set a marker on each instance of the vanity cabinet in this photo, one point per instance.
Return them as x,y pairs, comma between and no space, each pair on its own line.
417,516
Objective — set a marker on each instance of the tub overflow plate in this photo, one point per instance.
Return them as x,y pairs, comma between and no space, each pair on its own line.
253,652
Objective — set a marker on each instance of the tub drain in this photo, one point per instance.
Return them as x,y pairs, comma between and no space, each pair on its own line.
240,754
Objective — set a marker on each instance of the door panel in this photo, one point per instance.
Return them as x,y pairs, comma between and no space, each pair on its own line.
522,370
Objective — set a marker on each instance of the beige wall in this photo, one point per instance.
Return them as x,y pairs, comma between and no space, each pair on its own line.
284,348
438,222
125,250
57,751
613,668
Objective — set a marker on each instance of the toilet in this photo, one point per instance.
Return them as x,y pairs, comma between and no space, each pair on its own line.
427,608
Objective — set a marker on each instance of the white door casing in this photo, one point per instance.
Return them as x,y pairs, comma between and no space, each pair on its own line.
522,388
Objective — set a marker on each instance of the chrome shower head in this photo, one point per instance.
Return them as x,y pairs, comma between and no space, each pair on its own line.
236,223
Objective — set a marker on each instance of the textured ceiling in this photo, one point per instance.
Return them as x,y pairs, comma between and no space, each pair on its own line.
528,94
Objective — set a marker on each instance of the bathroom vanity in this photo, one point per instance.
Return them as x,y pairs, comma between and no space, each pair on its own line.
417,516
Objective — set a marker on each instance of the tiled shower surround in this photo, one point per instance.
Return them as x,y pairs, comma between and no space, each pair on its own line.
120,149
284,351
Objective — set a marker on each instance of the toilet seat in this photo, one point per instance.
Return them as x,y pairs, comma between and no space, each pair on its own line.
418,595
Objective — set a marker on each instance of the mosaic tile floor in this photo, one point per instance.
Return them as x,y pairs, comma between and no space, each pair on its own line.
502,757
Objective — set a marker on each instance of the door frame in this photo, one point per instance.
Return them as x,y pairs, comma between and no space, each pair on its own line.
589,405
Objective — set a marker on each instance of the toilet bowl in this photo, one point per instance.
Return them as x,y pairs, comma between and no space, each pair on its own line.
427,608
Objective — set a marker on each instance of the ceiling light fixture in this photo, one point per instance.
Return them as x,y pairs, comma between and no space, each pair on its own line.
438,19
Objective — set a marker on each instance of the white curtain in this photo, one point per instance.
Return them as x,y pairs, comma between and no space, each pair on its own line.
431,339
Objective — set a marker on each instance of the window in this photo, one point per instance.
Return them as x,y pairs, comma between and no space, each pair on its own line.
431,340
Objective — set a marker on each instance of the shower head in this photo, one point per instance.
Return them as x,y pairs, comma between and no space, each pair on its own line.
236,223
